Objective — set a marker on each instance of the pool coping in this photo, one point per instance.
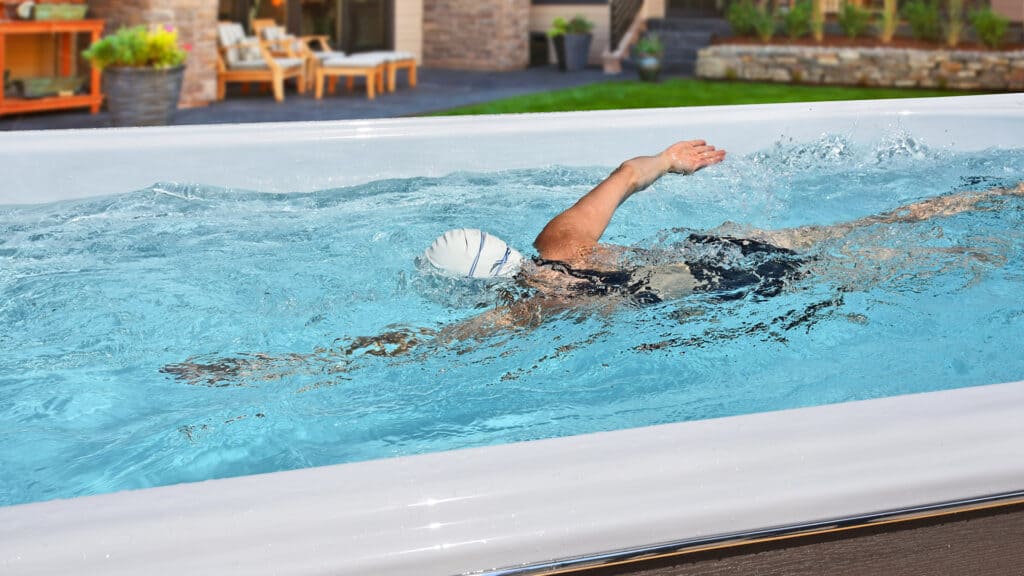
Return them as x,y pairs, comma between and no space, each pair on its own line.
531,503
309,156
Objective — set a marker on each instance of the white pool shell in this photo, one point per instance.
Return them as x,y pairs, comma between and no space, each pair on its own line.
531,505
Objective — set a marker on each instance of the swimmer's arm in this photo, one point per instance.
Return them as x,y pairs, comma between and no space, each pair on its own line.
581,226
525,314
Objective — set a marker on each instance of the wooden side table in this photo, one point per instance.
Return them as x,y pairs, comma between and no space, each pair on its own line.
64,31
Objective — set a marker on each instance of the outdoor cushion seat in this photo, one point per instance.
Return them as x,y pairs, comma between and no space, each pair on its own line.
370,67
356,60
389,55
326,55
394,60
262,65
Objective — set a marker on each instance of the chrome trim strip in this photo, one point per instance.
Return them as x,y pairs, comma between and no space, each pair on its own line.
742,538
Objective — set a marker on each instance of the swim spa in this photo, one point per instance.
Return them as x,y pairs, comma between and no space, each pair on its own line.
531,504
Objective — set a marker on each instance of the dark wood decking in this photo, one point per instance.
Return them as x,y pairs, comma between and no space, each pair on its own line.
974,542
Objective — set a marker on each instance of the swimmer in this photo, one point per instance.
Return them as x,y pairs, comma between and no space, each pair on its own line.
573,269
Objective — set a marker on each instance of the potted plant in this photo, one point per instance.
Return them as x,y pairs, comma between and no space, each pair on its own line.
142,73
572,42
648,57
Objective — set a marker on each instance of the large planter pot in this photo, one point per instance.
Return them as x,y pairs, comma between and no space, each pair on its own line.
559,42
649,68
577,51
142,96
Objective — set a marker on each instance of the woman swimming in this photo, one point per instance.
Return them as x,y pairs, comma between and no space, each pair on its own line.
574,270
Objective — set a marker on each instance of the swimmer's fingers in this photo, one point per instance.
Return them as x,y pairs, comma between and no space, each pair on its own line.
688,157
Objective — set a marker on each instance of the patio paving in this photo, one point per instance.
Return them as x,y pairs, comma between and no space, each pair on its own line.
436,90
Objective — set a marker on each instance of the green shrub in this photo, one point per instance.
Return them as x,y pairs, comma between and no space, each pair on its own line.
138,47
741,17
797,22
764,24
579,25
558,26
924,20
650,45
991,27
853,20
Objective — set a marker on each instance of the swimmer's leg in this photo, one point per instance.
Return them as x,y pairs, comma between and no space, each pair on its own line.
805,237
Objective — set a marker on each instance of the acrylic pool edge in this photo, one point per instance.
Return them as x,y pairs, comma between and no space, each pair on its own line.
532,502
44,166
528,503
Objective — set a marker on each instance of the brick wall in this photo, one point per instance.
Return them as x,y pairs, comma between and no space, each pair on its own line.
196,21
476,34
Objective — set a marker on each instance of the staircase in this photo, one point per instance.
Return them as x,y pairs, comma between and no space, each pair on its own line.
683,37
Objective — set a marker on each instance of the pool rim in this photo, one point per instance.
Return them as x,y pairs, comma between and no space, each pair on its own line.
979,426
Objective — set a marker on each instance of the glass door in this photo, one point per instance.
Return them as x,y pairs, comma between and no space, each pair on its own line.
319,18
366,25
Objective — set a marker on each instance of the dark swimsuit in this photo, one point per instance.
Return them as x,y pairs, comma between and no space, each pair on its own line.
771,269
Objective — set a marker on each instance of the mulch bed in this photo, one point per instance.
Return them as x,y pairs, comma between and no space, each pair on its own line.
844,42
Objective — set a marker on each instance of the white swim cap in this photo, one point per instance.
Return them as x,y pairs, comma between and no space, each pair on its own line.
471,253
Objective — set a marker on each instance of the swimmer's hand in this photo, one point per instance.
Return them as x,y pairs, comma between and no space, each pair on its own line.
690,156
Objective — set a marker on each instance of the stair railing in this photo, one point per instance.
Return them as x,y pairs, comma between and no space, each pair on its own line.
623,12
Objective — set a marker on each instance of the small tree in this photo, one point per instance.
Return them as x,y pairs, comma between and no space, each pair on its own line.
818,20
954,21
890,21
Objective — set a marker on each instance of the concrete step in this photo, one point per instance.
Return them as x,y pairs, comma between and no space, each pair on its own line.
711,25
683,37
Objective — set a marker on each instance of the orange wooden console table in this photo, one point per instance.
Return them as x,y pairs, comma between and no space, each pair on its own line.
64,30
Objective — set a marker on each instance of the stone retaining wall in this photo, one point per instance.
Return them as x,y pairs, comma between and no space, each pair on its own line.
897,67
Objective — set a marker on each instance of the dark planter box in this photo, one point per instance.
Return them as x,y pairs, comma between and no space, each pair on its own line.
559,42
577,51
142,96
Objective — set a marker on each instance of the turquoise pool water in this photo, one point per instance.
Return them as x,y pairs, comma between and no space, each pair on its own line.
97,296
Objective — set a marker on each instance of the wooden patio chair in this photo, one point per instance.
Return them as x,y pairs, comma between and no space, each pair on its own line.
281,44
246,59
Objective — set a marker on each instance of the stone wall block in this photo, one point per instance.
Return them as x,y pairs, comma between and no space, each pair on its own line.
476,34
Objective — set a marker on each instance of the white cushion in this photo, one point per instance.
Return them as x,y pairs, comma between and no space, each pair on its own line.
388,55
353,61
324,56
237,46
262,65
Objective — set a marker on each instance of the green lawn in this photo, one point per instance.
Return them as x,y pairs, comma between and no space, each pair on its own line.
682,92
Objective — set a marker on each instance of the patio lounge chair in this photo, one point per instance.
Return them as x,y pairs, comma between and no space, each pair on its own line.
318,46
246,59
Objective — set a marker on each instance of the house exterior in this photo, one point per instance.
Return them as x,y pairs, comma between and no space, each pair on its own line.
463,34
